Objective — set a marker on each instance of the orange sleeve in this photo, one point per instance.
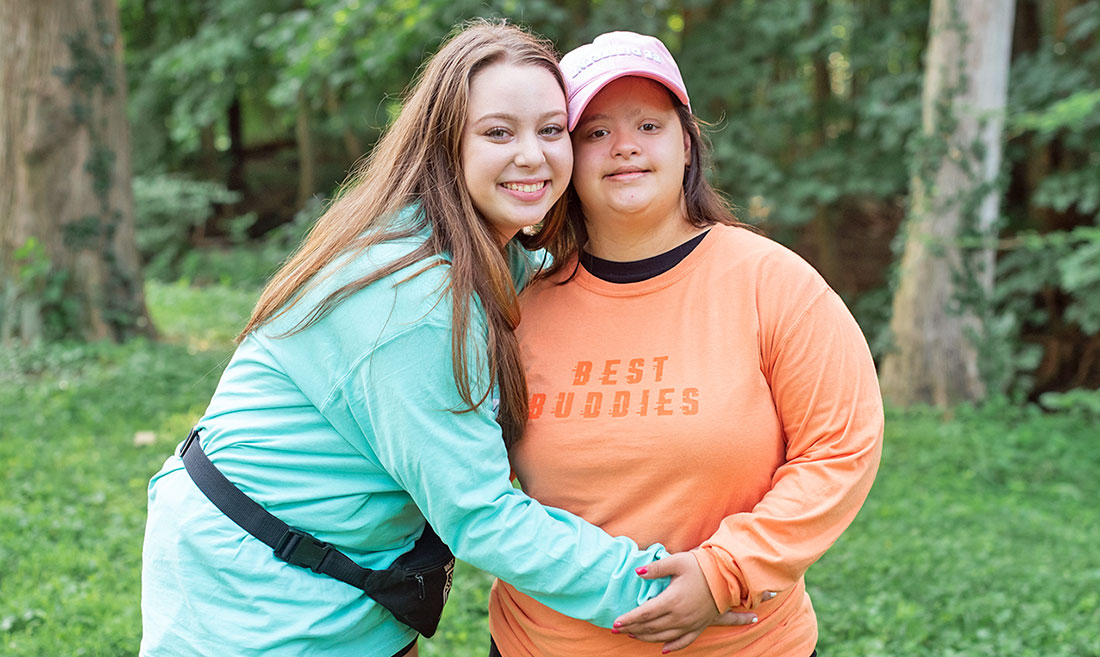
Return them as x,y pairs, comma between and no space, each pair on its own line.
826,395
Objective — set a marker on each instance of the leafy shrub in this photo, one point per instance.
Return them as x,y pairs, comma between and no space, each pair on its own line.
1079,402
1065,264
167,209
37,290
244,263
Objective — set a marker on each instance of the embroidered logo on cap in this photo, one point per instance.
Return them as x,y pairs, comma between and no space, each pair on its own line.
618,52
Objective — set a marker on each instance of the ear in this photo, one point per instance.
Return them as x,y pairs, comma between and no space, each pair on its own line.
687,147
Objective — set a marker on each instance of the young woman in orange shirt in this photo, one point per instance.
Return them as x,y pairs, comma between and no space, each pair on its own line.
691,382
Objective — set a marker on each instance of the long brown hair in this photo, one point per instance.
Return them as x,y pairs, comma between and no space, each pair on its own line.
705,205
419,161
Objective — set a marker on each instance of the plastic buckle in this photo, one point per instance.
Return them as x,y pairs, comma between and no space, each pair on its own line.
300,549
191,438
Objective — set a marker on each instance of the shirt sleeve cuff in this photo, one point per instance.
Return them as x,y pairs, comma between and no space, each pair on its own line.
724,588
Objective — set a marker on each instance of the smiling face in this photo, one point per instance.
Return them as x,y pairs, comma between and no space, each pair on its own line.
516,156
630,153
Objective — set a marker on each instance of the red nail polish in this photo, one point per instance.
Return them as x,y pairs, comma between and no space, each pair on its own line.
665,652
616,624
616,632
641,570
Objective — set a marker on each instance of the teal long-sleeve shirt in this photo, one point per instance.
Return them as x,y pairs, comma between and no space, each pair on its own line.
345,431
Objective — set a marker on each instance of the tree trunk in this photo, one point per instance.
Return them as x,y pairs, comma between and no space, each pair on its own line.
821,225
234,178
68,260
208,153
936,356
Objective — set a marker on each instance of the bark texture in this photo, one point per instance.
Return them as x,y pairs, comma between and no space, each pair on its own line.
65,167
965,88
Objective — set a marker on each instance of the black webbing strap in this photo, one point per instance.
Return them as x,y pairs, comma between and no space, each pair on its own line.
292,546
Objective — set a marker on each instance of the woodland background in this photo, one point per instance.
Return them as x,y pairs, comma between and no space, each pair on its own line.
159,159
245,115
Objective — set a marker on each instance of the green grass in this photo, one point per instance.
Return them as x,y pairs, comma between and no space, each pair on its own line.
72,479
981,536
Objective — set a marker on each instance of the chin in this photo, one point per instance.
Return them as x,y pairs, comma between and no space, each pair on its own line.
627,208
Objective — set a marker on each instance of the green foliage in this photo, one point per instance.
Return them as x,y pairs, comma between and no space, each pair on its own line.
815,108
1076,112
1071,190
167,209
204,56
1066,261
37,292
1063,265
814,103
1046,281
187,63
245,264
1054,102
1084,404
780,139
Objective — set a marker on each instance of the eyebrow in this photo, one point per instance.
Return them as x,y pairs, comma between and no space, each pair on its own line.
504,116
589,119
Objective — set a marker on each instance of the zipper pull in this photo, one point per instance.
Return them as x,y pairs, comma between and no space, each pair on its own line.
420,584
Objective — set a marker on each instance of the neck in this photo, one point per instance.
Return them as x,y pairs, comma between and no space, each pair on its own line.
504,236
625,238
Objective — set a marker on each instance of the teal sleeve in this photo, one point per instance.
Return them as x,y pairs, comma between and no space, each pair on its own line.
524,264
455,468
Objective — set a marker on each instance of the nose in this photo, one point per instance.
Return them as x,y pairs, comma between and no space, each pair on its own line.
529,152
624,144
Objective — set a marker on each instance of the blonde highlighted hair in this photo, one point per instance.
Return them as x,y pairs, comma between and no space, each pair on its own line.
418,160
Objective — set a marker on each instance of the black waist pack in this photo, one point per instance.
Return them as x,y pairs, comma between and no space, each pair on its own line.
414,588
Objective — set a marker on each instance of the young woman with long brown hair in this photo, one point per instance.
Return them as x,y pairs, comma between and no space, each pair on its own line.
378,383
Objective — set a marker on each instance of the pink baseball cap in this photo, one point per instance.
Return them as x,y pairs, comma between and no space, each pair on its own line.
613,55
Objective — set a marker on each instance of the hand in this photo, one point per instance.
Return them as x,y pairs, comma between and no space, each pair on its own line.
680,614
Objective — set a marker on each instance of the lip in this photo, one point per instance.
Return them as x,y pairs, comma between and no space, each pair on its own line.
626,174
530,195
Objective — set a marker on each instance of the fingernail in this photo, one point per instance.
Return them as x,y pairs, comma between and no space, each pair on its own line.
617,624
616,632
665,651
641,570
632,636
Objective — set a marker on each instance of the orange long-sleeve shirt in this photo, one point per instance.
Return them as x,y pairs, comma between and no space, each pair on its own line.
728,406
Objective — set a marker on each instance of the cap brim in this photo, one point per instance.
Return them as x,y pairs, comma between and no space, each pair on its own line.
579,100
